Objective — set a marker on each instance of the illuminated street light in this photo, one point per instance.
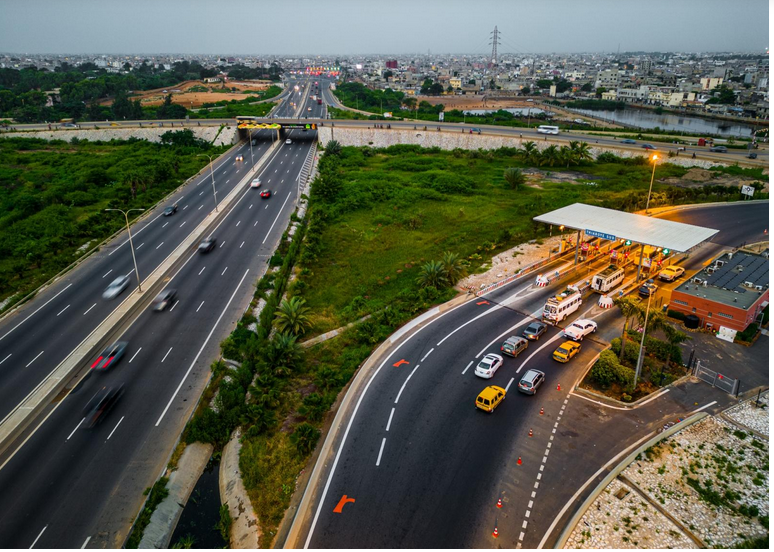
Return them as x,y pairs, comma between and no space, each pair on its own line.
131,245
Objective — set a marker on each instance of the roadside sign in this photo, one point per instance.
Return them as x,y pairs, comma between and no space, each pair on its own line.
440,116
748,190
584,247
614,254
646,262
600,235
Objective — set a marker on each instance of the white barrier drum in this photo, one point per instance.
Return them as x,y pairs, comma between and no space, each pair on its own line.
605,302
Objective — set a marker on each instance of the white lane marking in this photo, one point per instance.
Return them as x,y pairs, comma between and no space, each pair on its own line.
381,450
114,430
251,206
509,385
128,274
703,407
139,246
159,245
137,233
587,483
200,207
36,540
389,422
186,207
530,504
91,307
200,306
240,246
521,536
201,192
528,512
165,356
224,271
524,525
486,312
183,223
402,387
173,306
6,358
222,244
34,313
508,331
275,219
256,224
76,428
266,207
85,543
165,224
34,359
466,367
543,346
238,222
227,181
202,270
427,354
64,309
135,354
108,272
196,358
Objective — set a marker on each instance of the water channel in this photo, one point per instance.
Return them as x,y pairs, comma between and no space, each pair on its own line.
198,524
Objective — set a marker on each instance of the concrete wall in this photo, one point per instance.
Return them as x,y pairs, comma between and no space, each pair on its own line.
229,135
709,311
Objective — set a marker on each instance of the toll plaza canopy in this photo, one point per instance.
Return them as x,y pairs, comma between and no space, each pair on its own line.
610,224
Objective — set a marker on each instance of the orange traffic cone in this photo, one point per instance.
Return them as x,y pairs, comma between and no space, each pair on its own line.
499,502
558,387
495,534
519,461
541,410
530,432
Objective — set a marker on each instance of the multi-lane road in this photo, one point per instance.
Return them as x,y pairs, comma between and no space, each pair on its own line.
68,485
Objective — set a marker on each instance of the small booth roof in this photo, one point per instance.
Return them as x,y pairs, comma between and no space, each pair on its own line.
608,223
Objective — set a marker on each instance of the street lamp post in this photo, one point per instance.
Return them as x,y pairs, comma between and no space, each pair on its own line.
250,139
641,356
653,174
212,175
131,244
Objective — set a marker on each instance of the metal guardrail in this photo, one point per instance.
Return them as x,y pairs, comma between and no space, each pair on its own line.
716,379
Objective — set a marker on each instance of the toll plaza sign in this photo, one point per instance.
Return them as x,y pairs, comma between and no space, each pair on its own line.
601,235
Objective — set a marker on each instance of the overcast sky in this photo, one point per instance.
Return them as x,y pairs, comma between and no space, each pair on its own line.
380,26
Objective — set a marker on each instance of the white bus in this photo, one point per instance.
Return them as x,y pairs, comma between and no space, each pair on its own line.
607,279
559,307
548,129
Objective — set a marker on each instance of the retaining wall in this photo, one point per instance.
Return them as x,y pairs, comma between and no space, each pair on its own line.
228,135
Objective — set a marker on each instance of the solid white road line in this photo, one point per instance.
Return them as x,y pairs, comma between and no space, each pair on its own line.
34,312
509,385
34,359
64,309
389,422
466,367
196,358
508,331
135,354
202,270
85,543
275,219
6,358
224,271
200,306
76,428
486,312
381,450
543,346
108,272
36,540
114,429
402,387
165,356
703,407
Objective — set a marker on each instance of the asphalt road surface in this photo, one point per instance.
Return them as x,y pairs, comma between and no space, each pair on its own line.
69,485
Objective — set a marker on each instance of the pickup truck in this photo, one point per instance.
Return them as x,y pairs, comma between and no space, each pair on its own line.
579,329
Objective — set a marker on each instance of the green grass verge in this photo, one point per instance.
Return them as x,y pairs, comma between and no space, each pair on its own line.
158,493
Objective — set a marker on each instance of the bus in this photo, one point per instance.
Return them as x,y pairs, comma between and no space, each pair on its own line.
559,307
608,279
548,129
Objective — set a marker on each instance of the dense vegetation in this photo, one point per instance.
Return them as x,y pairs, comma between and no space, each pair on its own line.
52,196
23,98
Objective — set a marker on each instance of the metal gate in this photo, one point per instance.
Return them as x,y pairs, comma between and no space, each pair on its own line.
729,385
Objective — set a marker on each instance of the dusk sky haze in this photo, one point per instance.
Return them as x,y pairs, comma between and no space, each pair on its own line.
369,27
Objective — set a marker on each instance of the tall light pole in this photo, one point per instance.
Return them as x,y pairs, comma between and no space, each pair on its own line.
653,174
212,175
641,356
250,139
131,244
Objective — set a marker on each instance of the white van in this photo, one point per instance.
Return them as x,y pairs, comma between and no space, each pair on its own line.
548,129
608,279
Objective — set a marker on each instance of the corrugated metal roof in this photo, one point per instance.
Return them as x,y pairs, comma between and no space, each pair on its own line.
676,236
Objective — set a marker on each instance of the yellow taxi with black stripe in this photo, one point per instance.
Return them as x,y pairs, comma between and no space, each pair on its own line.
566,351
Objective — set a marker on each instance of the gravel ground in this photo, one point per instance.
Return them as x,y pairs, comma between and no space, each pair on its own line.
748,415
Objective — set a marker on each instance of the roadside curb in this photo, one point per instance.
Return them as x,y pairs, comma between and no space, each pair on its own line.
616,471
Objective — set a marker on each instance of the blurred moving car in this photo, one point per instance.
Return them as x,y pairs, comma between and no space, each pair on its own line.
110,356
171,210
288,141
256,183
116,287
719,149
488,365
648,146
207,244
647,289
239,157
265,194
628,141
534,331
101,403
164,300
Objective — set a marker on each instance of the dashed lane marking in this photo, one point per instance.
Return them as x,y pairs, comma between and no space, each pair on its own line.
224,271
389,422
114,430
200,306
6,358
64,309
404,383
509,385
466,367
381,450
34,359
108,272
135,354
165,356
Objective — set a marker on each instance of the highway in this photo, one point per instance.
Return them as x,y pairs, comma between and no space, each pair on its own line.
416,465
70,486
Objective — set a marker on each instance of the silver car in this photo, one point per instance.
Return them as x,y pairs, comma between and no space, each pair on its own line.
116,287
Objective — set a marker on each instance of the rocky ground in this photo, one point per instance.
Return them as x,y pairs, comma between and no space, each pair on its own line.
696,178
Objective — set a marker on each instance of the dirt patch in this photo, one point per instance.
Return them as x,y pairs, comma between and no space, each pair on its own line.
475,102
696,178
202,93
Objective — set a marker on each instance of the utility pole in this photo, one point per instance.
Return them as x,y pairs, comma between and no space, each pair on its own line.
495,40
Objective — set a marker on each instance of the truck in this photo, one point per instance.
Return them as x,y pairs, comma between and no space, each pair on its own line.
319,101
607,279
560,306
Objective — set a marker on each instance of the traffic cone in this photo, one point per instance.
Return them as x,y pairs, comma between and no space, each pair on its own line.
499,502
541,410
558,387
530,432
519,461
495,534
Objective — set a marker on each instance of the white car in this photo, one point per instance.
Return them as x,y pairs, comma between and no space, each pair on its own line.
671,273
256,183
489,365
239,157
288,141
116,287
579,329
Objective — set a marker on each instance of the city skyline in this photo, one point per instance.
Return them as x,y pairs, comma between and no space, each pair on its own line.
346,27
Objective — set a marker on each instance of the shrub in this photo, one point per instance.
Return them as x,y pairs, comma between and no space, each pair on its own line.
608,370
677,315
305,438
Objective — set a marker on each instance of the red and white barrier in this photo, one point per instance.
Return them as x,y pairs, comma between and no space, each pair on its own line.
541,281
605,302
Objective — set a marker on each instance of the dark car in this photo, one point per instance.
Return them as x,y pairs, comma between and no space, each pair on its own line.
648,146
648,288
207,245
534,331
719,149
101,403
110,356
164,300
171,210
266,194
628,141
752,156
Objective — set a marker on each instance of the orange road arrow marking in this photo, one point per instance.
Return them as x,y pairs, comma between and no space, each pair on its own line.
397,364
342,502
482,303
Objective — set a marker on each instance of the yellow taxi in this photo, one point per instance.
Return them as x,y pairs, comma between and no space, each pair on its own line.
566,351
490,398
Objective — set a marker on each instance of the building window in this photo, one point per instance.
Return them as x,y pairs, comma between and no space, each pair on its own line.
709,315
685,303
724,315
693,310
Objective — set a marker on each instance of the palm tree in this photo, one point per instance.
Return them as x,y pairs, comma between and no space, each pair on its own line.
258,418
581,150
305,438
566,155
433,275
529,151
333,148
292,316
265,391
283,354
513,177
674,337
452,267
410,103
629,307
549,156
